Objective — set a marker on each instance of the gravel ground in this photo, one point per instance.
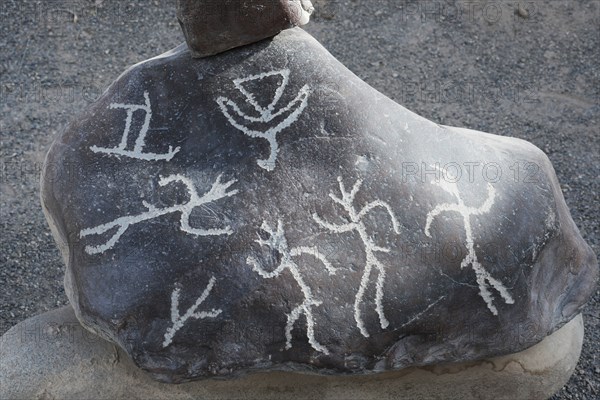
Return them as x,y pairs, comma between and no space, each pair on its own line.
529,71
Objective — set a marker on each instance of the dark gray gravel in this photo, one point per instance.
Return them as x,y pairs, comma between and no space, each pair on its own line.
532,74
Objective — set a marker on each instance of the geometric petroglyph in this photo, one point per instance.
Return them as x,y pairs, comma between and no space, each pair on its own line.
216,192
357,225
278,242
140,142
179,320
268,122
484,279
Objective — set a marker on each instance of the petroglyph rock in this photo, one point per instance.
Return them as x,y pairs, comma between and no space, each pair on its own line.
280,214
51,356
214,26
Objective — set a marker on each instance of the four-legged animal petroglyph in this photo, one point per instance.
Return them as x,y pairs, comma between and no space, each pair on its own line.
216,192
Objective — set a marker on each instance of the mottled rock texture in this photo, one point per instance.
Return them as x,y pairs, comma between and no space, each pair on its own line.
214,26
51,356
265,209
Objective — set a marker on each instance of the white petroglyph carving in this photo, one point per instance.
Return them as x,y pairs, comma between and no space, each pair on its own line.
269,122
357,225
140,142
484,279
179,320
278,242
216,192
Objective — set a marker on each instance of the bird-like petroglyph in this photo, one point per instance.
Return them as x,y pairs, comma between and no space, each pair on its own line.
268,122
178,320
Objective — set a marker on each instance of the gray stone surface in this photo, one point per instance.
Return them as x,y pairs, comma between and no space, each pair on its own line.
211,27
51,356
266,209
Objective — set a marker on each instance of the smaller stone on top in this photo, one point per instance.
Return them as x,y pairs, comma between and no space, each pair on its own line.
211,27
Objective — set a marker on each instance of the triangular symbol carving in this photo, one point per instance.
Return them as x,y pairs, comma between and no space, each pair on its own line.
251,86
265,125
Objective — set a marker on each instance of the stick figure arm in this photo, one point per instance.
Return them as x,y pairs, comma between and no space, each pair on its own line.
332,227
253,262
437,211
225,102
381,249
315,253
378,203
489,201
355,189
301,98
207,314
338,200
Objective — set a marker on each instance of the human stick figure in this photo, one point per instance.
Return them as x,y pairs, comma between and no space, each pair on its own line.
278,242
484,278
372,262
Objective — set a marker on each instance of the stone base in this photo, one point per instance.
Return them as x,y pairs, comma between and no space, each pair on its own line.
51,356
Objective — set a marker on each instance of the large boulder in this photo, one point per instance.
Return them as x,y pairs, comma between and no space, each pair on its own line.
265,209
51,356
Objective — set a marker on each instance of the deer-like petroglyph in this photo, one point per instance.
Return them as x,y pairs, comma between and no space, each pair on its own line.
216,192
484,279
356,224
268,122
178,320
140,142
278,242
